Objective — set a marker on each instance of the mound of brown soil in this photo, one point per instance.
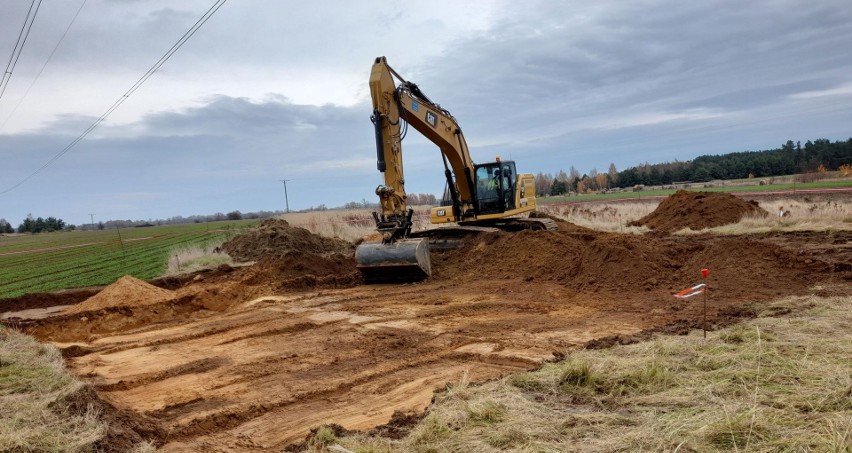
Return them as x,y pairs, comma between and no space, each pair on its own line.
698,210
295,270
275,238
126,292
623,263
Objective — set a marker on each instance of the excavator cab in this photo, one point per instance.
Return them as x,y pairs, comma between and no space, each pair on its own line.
495,187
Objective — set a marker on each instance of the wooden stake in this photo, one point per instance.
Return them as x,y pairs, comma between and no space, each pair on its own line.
705,312
705,273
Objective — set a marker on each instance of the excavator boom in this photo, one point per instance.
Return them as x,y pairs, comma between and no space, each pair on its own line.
486,194
395,258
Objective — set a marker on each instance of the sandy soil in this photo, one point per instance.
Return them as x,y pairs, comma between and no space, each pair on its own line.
251,359
35,313
259,375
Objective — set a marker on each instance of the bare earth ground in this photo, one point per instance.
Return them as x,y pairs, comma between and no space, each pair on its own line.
239,362
257,372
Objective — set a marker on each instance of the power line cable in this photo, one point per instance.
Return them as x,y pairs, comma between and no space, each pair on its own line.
49,57
180,42
19,46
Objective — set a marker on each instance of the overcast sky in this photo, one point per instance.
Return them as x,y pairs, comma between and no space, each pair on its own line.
269,90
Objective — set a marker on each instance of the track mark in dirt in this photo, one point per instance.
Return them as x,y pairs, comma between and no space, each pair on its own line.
277,331
198,366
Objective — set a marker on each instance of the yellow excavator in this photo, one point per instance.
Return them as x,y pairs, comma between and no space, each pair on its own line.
481,197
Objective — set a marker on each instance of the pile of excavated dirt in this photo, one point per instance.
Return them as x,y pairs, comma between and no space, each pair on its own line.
290,257
294,270
589,261
275,238
698,210
126,292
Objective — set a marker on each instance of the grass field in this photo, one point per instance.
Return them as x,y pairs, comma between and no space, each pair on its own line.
53,261
731,189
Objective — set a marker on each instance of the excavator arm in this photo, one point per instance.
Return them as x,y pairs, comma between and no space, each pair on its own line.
484,195
395,107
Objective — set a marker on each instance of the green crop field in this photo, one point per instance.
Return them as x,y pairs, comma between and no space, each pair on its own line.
52,261
732,189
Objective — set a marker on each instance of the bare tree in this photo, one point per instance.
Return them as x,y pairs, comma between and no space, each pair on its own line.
613,174
593,179
573,174
543,182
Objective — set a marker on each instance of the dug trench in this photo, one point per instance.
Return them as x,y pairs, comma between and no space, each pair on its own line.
252,359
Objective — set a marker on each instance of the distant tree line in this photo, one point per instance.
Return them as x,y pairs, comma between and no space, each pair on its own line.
790,158
176,220
6,227
562,183
814,156
38,225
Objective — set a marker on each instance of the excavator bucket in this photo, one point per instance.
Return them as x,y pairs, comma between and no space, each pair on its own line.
401,261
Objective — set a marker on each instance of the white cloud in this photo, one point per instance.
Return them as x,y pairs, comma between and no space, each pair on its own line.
270,90
842,90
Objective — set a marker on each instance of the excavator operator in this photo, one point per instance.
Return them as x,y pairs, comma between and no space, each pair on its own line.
494,182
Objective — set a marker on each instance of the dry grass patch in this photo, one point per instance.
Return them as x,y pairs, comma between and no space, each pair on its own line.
805,215
192,258
348,224
34,388
612,217
824,215
144,447
769,384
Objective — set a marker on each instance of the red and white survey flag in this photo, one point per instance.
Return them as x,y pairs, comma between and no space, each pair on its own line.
689,292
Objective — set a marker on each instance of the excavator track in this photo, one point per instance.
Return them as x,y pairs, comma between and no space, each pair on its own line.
539,224
451,237
514,224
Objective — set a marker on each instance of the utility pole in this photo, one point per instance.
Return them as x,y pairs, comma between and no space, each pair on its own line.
92,216
286,199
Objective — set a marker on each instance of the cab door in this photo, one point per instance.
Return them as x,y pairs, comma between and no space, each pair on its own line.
509,177
489,193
